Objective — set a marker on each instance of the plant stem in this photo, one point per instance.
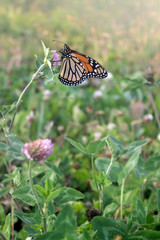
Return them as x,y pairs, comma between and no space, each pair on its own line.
109,167
12,218
24,90
154,107
121,202
41,117
36,197
94,177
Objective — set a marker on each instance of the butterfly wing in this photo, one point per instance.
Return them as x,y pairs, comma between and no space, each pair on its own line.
72,71
93,69
76,67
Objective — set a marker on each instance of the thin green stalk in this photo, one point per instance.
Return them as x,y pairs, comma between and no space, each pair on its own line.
41,118
24,90
36,197
93,173
109,167
94,177
121,201
154,107
12,218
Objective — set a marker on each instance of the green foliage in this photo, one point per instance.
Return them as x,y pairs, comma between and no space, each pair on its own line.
25,194
108,228
115,146
7,227
79,199
29,218
130,165
92,148
141,214
102,165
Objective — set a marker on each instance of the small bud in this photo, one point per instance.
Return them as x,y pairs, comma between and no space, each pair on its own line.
97,94
30,118
91,213
89,109
46,94
111,126
148,118
84,140
149,75
97,136
99,113
60,128
119,113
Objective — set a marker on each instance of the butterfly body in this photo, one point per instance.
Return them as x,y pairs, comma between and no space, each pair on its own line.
76,67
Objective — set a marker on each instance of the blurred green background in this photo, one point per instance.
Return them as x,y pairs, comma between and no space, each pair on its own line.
114,31
124,36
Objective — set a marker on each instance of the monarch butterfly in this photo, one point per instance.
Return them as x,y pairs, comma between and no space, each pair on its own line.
76,67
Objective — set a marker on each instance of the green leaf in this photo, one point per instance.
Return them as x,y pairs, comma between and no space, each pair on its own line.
5,109
85,236
14,149
4,191
50,236
101,180
12,176
152,163
108,228
102,165
115,146
50,209
77,145
30,231
141,214
29,218
130,165
48,186
38,170
15,142
49,64
66,222
111,208
38,62
4,147
95,147
136,83
7,227
158,198
41,190
24,194
45,50
54,194
49,78
67,195
149,219
134,146
144,235
54,168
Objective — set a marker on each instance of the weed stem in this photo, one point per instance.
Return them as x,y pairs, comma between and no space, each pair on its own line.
24,90
36,197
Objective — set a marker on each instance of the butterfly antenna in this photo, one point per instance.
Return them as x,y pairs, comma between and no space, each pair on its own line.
58,41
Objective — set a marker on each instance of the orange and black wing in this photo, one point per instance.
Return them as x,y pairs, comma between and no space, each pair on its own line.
76,67
72,71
